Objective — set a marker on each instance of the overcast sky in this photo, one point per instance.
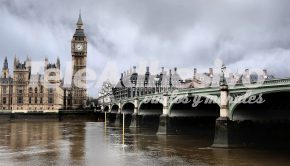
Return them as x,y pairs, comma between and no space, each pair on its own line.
182,33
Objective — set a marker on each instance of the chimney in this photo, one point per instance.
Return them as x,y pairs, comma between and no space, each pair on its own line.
210,72
134,69
247,73
147,69
175,70
45,62
265,72
195,72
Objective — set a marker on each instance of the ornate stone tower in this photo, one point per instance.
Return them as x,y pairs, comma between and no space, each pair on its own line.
5,70
21,77
6,87
79,57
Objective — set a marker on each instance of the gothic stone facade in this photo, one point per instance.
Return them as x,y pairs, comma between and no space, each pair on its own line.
27,92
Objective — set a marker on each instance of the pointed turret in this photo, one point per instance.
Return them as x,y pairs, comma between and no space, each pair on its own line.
58,63
79,30
45,63
15,61
5,66
5,70
28,62
80,21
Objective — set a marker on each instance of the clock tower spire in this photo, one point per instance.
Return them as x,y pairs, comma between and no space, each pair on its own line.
79,58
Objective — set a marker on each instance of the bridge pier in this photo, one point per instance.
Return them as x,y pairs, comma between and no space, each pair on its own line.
136,118
225,129
165,124
136,121
226,134
111,117
118,119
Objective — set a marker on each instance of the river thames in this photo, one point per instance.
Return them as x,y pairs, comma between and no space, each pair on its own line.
91,143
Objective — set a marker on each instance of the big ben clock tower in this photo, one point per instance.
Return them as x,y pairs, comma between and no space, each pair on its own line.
79,58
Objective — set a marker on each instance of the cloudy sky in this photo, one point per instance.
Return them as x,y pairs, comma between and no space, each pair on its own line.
123,33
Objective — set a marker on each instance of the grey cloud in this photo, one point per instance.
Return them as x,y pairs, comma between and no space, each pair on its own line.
183,33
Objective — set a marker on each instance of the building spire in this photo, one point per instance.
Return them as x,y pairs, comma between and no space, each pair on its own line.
80,21
5,67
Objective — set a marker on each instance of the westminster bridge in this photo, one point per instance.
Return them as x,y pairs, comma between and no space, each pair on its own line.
231,111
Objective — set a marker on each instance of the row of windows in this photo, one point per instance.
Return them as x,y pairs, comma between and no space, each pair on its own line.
79,61
20,90
20,100
35,100
4,90
36,90
4,108
21,108
78,102
5,100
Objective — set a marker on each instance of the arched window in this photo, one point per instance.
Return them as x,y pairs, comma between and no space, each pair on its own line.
41,89
35,90
30,90
51,74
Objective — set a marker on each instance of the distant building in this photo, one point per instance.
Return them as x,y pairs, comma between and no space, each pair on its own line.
210,79
133,84
6,88
27,92
30,92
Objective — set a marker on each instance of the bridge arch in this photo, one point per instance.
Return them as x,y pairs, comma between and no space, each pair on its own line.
115,108
128,108
151,106
151,109
184,106
275,106
106,108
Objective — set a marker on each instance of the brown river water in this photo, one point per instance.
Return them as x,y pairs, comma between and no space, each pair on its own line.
91,143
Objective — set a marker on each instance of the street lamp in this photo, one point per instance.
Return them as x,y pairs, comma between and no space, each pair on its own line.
156,83
170,80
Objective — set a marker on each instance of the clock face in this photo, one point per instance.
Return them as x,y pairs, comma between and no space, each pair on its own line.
79,47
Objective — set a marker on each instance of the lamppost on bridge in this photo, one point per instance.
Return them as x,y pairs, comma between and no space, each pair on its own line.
170,80
133,79
146,80
157,83
105,92
102,93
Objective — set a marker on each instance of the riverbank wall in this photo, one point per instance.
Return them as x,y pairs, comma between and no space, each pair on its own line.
61,115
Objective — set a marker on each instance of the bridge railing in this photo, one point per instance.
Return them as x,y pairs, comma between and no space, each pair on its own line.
278,81
272,82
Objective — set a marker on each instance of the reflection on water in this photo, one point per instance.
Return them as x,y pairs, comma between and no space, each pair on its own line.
90,143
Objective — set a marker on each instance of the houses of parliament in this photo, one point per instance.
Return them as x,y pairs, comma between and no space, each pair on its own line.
23,91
